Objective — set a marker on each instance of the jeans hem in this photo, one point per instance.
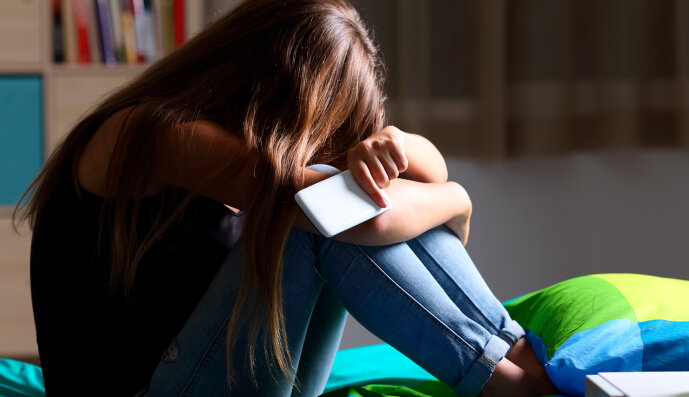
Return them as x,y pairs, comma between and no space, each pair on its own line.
512,332
473,381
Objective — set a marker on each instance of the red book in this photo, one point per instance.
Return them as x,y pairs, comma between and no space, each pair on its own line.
178,7
81,22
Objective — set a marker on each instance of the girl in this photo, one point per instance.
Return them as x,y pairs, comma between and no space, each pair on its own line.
138,283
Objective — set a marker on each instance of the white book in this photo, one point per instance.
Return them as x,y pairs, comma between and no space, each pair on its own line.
638,384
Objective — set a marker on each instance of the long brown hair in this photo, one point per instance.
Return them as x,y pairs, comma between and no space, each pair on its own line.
299,81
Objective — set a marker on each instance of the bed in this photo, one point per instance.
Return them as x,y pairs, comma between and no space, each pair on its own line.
578,328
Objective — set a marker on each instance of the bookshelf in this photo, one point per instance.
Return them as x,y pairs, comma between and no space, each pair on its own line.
54,97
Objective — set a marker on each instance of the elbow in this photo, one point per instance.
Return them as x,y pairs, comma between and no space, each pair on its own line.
374,232
442,173
439,176
374,228
388,228
378,225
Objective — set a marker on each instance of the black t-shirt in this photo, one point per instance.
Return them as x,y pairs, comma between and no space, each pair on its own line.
92,343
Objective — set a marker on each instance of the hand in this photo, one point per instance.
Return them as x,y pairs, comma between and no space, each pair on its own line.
460,223
378,160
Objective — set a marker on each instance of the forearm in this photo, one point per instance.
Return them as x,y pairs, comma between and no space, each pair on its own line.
416,208
426,164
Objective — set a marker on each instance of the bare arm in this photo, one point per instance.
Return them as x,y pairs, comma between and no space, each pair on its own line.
426,164
207,159
202,152
390,153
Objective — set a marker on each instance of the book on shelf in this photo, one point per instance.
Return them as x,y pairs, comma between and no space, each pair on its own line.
92,29
127,21
150,32
140,29
117,32
113,32
178,9
168,26
82,29
106,32
58,46
69,33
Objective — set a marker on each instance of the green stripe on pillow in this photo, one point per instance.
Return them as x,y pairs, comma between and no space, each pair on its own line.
557,312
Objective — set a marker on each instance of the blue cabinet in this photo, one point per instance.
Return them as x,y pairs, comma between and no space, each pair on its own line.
21,135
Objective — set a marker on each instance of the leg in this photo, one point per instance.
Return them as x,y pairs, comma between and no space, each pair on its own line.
511,380
391,292
321,345
388,289
446,259
450,264
195,364
522,355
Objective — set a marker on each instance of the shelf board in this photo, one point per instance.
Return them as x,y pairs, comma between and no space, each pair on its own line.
6,211
21,68
24,68
96,70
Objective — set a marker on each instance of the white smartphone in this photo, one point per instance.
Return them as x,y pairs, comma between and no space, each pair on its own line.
337,204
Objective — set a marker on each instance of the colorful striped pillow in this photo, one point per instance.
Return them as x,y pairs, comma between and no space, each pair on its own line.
606,323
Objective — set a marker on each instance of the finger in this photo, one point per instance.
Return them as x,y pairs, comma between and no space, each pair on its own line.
378,172
400,159
390,167
363,177
396,149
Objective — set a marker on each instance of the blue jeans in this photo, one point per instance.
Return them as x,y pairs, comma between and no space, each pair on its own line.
425,297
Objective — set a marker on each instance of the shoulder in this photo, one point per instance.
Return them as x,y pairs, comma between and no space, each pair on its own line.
92,165
208,159
199,156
